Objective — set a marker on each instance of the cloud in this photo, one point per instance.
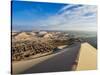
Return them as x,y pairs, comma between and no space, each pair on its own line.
69,8
72,17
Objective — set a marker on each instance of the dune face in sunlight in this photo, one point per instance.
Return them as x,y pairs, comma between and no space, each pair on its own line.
87,57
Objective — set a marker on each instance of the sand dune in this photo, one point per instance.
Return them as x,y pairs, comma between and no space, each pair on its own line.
61,60
87,57
13,33
23,36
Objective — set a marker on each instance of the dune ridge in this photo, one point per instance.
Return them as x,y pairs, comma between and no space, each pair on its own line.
87,57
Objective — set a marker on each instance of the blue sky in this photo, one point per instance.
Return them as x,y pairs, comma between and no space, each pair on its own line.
53,16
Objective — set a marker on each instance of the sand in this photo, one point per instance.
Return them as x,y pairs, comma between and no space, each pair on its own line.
13,33
22,35
87,57
21,66
61,60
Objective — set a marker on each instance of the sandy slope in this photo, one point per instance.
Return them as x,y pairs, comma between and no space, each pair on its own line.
20,66
59,61
22,36
87,57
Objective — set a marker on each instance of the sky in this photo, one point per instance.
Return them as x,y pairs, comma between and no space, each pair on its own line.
53,16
